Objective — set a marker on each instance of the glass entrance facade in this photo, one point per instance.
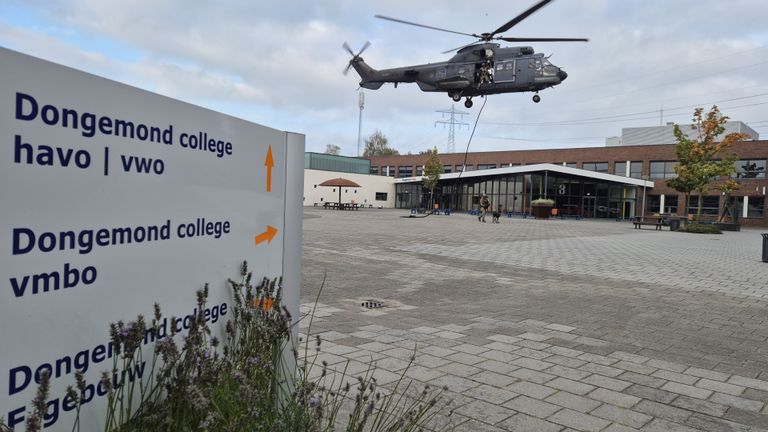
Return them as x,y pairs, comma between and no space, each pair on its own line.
573,195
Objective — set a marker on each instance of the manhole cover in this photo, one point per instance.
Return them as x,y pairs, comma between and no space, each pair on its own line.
372,304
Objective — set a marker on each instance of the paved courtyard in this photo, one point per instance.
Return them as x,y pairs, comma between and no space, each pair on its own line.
547,325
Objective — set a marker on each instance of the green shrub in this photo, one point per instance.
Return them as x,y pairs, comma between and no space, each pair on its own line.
699,228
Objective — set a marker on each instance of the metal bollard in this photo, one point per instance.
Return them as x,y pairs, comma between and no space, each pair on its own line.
765,247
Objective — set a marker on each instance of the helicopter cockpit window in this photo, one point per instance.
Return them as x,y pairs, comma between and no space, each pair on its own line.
548,68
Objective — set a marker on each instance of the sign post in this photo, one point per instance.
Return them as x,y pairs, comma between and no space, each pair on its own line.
114,198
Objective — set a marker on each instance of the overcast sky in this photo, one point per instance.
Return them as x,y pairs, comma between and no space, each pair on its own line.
279,64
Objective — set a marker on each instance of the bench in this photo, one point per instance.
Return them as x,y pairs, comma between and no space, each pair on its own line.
523,215
655,222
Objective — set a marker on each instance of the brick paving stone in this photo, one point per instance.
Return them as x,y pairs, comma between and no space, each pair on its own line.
500,346
670,366
490,394
484,411
578,421
430,360
494,379
476,426
533,345
650,393
574,402
454,383
498,356
753,394
721,387
426,330
661,425
467,359
737,402
621,355
566,372
595,358
704,373
676,377
621,415
570,386
614,398
531,389
619,428
645,380
560,327
459,369
526,423
534,337
634,367
664,411
531,353
435,351
708,423
497,366
565,352
606,382
534,407
470,349
566,361
749,382
601,369
504,339
423,374
687,390
747,417
532,376
705,407
531,363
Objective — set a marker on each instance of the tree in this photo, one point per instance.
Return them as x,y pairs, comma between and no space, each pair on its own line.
432,170
332,149
378,145
702,159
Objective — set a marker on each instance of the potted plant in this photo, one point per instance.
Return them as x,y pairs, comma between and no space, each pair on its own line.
542,208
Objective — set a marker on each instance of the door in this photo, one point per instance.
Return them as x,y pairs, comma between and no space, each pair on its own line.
588,207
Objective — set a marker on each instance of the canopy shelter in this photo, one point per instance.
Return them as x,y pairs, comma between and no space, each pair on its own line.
340,183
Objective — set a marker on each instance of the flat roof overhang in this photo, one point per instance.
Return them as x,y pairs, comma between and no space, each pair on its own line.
538,169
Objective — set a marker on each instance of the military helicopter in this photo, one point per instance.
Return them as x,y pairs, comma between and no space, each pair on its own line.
477,69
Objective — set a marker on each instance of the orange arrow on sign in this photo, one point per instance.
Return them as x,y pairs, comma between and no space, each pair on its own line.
269,163
267,235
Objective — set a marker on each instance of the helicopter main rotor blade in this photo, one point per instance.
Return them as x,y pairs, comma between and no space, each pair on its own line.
518,39
425,26
516,20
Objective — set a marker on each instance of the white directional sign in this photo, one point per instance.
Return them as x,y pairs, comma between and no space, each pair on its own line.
114,198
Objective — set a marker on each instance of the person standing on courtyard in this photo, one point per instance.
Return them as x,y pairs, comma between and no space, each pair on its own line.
485,204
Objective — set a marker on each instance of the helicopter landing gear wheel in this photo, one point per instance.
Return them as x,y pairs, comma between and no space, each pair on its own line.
455,96
468,103
536,98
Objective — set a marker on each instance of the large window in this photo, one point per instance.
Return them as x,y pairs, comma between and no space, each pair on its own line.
485,166
381,196
374,170
670,204
663,170
447,169
653,204
749,168
710,205
755,207
596,166
420,170
404,171
635,169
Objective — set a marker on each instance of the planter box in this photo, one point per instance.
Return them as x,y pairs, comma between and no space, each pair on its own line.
728,226
541,212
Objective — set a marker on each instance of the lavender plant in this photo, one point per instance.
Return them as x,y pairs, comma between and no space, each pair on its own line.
243,383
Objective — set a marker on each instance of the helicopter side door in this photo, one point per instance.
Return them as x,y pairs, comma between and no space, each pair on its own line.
505,71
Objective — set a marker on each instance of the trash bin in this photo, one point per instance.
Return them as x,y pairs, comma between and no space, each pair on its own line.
674,224
765,247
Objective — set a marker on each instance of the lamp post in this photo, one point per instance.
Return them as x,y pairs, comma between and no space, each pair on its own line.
645,179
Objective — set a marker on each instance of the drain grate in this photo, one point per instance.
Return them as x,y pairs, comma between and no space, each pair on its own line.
372,304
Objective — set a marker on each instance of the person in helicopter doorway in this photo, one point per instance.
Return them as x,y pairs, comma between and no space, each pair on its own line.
485,205
496,215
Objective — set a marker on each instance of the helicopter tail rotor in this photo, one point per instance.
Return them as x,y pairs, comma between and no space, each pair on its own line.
352,53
